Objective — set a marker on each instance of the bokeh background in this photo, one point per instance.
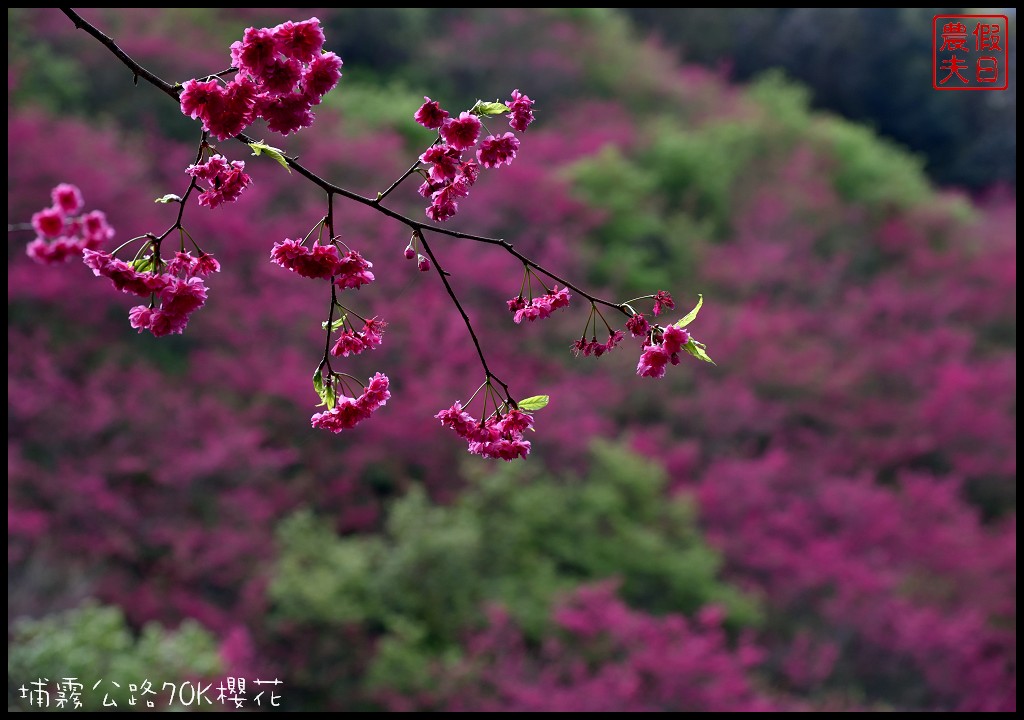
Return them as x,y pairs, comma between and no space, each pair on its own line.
824,520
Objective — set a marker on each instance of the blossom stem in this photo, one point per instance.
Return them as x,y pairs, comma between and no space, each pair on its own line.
125,244
350,312
194,243
320,226
475,392
633,300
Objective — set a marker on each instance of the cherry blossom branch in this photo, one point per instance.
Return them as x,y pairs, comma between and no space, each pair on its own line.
157,241
329,222
270,63
174,90
465,318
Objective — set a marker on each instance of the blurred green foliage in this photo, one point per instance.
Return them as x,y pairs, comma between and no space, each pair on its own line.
93,643
870,65
424,580
55,82
663,201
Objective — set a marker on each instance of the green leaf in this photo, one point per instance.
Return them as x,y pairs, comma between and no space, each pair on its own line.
260,147
336,324
697,350
143,264
168,198
536,402
692,315
489,108
326,391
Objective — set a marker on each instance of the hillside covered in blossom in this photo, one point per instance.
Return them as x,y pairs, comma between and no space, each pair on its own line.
825,519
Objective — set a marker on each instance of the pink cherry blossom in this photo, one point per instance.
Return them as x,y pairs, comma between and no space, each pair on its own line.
430,115
68,198
674,339
183,297
663,299
321,77
495,151
445,162
198,99
140,317
377,392
286,114
345,415
638,325
521,111
49,222
255,51
281,75
234,111
653,362
462,132
353,271
95,229
300,40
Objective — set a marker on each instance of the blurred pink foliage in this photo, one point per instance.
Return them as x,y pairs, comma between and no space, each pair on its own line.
605,657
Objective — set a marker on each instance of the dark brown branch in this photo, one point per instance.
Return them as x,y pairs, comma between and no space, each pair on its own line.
137,70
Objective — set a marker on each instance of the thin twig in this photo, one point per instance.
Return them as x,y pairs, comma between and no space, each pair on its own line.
465,318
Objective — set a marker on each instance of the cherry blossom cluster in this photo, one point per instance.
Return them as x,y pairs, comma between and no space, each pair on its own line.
663,347
322,260
282,74
63,231
347,412
593,347
179,288
317,261
354,342
225,180
498,436
539,307
449,175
